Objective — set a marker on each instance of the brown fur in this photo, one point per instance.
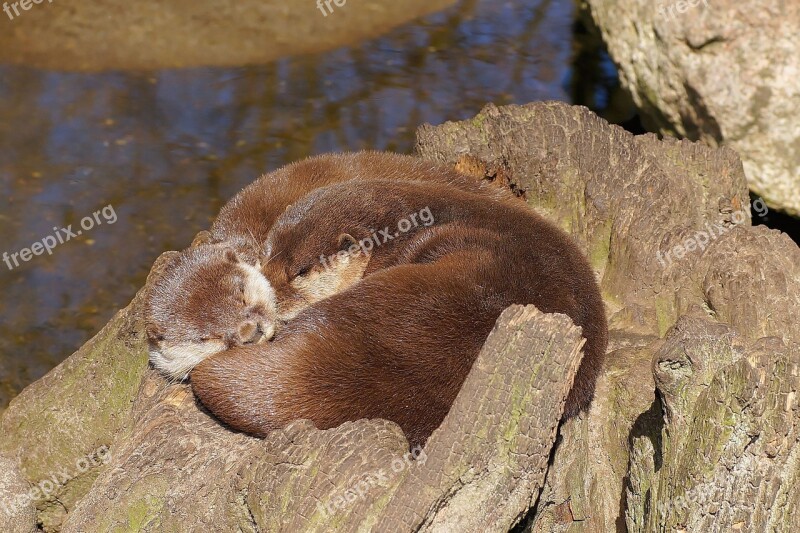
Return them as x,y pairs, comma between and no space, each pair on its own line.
191,316
245,221
399,343
205,301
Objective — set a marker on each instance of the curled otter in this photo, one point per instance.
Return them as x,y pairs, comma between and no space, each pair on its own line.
207,300
397,341
191,315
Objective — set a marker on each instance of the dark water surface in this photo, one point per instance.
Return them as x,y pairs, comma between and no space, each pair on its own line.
164,150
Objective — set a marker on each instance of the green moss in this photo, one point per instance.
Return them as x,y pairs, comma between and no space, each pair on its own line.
80,405
478,120
379,504
142,514
511,430
600,247
664,314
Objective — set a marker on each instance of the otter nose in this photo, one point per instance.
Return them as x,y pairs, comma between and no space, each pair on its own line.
249,332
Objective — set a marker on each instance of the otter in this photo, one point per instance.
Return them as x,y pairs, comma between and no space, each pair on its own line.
359,217
399,338
245,221
207,300
182,335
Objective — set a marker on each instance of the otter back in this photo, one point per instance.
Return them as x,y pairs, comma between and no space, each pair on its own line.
399,343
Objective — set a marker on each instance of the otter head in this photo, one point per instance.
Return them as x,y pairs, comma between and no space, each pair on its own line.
204,302
307,258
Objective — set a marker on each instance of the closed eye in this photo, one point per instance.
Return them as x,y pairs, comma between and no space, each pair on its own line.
303,271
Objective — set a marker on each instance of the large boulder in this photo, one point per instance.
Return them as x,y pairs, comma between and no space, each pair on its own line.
721,71
697,398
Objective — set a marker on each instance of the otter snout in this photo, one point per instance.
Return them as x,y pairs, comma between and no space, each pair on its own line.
248,332
253,332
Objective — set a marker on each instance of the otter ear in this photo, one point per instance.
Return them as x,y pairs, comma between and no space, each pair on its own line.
153,332
203,237
346,241
231,256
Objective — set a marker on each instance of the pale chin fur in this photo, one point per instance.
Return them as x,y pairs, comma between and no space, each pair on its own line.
257,289
337,276
178,360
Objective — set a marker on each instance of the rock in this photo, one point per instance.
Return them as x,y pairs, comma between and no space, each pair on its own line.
697,399
17,512
720,71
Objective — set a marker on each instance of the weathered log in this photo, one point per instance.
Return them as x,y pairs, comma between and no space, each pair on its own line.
76,409
630,201
727,457
698,389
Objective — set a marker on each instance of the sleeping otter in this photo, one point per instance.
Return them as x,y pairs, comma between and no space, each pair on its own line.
398,343
245,221
182,335
206,301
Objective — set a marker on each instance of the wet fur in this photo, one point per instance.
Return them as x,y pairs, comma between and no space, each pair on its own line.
399,343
